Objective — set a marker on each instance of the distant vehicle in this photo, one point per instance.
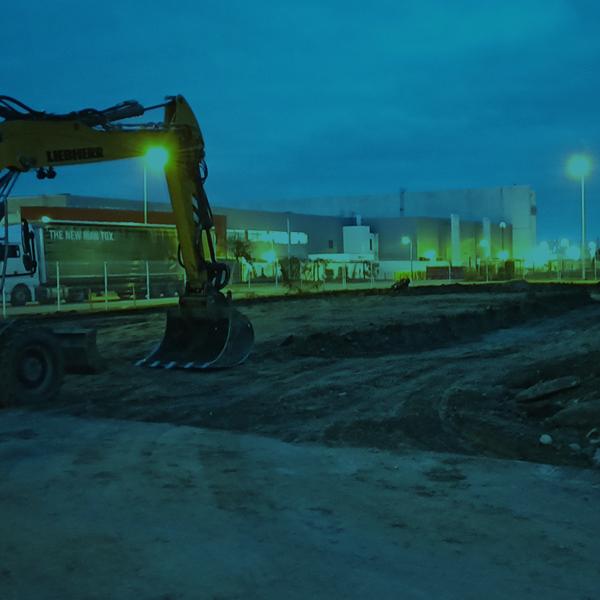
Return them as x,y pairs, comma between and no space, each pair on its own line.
73,259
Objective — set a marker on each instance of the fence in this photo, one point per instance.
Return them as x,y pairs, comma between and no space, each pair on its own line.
70,286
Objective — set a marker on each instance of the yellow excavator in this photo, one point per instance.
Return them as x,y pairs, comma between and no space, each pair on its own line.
204,331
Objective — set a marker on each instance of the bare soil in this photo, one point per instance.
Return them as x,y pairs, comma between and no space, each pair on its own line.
443,369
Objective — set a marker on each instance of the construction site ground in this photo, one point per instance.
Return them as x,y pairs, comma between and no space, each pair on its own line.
428,369
419,444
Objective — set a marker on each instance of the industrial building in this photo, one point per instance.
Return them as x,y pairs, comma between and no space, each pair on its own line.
457,228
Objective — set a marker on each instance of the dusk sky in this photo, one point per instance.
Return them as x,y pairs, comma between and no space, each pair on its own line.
317,98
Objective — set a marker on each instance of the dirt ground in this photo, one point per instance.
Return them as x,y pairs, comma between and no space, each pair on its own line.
96,509
479,371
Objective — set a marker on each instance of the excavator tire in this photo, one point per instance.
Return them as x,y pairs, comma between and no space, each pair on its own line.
31,365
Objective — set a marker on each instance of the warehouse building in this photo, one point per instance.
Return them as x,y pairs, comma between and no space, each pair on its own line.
513,205
458,228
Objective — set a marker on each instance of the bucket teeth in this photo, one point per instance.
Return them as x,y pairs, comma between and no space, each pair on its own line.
203,338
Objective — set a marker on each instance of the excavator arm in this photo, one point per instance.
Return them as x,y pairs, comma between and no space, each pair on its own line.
41,142
205,331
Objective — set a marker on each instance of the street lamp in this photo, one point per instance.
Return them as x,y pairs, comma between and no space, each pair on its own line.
407,241
486,251
502,226
155,159
579,167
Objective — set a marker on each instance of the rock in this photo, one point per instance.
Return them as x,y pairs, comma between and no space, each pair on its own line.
584,414
545,439
596,458
593,437
543,389
575,447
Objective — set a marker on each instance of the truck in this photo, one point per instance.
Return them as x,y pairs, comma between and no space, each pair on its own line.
80,261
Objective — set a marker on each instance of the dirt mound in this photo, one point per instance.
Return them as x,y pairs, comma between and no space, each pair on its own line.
432,332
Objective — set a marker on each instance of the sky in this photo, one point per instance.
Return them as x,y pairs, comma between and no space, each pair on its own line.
331,97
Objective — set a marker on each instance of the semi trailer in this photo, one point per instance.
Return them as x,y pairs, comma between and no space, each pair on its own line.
80,261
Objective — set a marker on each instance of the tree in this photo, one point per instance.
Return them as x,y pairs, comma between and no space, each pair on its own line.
242,249
290,272
242,252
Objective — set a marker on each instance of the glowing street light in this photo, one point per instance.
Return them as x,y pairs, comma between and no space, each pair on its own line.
155,159
407,241
502,226
579,167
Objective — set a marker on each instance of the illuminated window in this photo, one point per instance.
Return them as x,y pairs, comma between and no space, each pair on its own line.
236,234
277,237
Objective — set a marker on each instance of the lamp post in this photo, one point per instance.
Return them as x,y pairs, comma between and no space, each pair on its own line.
145,194
484,243
407,241
155,158
579,167
502,226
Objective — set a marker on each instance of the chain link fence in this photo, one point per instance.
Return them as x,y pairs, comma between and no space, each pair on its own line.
123,285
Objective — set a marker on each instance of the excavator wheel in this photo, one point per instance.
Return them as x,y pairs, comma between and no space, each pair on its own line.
31,365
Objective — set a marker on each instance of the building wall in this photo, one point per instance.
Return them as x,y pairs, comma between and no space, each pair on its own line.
515,205
325,232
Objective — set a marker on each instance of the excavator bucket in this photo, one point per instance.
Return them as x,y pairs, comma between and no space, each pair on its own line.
215,337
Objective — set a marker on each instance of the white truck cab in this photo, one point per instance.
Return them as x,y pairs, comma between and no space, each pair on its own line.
20,286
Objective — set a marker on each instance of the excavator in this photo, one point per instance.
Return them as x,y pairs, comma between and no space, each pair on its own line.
205,331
